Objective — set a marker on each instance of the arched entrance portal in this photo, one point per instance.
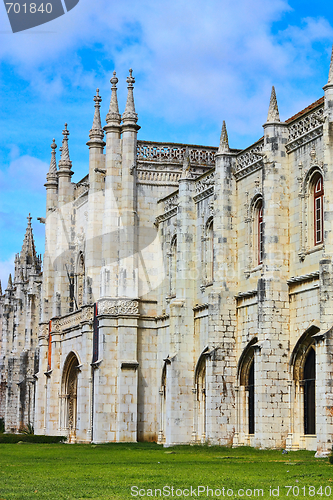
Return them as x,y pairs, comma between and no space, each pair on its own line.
69,396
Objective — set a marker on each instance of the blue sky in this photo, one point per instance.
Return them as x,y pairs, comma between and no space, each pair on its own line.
196,63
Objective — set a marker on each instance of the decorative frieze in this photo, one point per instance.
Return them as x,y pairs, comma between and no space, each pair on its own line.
175,153
73,320
249,160
116,307
305,129
204,186
158,177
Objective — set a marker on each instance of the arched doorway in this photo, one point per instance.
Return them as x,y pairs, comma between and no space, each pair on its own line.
310,393
69,396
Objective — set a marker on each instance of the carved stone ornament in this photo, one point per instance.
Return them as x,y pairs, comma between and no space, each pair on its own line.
118,307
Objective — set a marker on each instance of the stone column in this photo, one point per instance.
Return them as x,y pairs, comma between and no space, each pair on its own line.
221,369
271,360
179,382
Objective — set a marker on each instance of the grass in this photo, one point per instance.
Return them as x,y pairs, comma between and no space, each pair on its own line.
62,471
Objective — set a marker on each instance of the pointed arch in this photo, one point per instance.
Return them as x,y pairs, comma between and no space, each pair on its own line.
300,352
246,378
312,209
69,385
303,371
200,391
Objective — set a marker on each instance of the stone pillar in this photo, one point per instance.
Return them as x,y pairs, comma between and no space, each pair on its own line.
93,256
179,382
272,355
221,363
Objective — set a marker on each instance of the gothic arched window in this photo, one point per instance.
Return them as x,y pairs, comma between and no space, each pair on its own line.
258,234
318,196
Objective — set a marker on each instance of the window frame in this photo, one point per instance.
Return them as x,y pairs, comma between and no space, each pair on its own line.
318,213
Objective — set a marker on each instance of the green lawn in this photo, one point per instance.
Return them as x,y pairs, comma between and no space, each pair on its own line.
62,471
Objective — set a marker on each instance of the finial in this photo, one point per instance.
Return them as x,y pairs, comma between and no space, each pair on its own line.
224,141
29,220
114,80
273,110
113,116
130,79
129,114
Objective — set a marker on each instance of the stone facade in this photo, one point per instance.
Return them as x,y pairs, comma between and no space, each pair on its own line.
186,293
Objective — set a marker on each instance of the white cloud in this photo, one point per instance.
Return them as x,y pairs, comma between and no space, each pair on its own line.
24,172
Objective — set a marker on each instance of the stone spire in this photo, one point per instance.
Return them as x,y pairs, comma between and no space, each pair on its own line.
65,163
113,117
52,173
129,114
224,142
96,133
273,110
10,283
29,262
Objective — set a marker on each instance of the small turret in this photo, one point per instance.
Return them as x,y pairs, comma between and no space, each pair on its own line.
273,110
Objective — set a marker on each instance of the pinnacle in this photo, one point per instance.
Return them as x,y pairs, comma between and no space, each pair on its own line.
52,173
10,283
65,162
273,110
28,257
113,114
129,113
96,133
224,142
